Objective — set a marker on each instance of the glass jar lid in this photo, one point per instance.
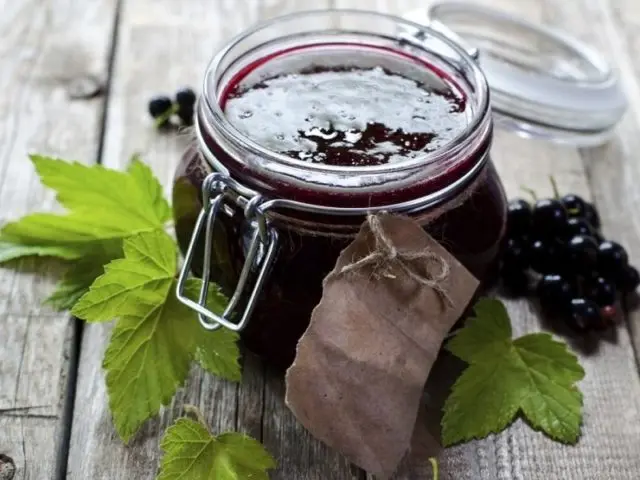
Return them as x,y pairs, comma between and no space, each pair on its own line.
544,83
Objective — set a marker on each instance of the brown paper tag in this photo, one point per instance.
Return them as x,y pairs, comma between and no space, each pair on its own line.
362,364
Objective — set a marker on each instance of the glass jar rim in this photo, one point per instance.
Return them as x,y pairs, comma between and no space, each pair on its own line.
480,115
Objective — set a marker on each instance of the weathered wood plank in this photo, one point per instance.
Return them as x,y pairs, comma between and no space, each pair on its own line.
46,46
299,455
609,447
161,46
31,381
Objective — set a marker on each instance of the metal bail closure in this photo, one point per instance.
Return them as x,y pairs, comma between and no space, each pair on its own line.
544,83
217,189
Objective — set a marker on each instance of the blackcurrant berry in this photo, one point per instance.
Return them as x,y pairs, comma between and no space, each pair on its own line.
555,293
518,218
581,253
612,258
159,106
579,226
186,97
608,311
591,216
629,279
515,255
608,314
186,114
548,218
515,281
601,291
574,204
544,255
584,315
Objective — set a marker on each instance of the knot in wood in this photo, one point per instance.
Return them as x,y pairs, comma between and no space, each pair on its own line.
7,467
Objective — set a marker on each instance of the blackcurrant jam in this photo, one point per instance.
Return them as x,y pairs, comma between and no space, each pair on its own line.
347,116
321,132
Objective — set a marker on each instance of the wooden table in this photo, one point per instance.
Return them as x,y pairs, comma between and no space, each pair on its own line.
54,419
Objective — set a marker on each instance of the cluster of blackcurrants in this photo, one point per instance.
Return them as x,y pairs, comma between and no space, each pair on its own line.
162,108
555,249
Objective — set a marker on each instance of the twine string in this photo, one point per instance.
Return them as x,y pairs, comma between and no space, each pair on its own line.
435,268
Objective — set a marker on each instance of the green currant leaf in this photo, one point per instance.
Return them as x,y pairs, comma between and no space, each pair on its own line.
80,274
216,351
190,451
11,250
151,188
132,195
102,204
534,375
156,337
133,284
75,283
147,360
476,338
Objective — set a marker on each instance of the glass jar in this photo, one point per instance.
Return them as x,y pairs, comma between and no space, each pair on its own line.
273,225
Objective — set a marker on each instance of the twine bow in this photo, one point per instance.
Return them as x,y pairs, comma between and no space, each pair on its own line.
386,253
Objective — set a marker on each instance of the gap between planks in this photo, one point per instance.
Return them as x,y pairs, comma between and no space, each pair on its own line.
74,353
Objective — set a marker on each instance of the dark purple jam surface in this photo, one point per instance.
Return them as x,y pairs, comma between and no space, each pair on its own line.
347,116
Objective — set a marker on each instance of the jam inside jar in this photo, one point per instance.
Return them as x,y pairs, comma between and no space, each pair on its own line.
306,124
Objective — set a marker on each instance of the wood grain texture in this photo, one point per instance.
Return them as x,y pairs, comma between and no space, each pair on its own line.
46,46
163,44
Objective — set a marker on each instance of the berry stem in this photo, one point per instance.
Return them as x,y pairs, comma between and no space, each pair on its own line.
554,186
195,412
161,120
434,465
531,192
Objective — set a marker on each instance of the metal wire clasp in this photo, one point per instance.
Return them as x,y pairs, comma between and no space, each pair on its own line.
217,189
